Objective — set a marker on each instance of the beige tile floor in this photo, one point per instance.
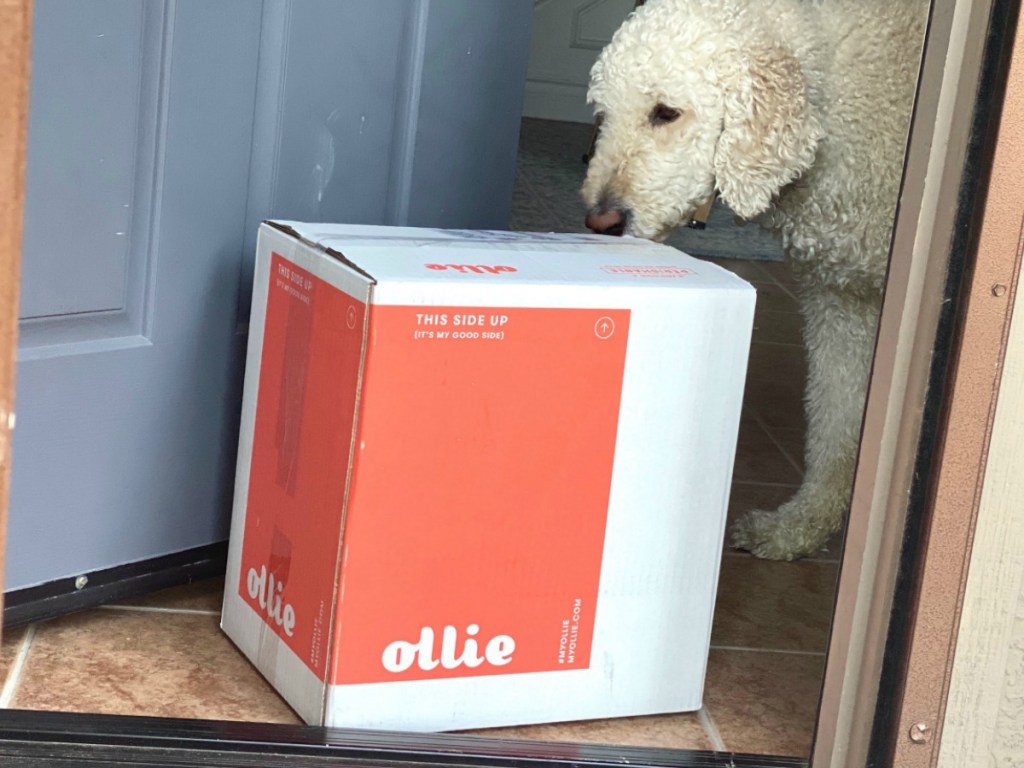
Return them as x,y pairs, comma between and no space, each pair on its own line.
164,655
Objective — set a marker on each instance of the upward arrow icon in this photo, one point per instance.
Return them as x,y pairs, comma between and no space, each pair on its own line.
604,327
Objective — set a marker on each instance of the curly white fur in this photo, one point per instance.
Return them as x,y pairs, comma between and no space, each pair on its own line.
796,112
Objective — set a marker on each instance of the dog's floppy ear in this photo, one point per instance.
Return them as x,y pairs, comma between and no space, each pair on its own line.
769,136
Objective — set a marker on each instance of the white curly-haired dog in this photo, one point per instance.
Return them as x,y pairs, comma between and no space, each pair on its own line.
796,112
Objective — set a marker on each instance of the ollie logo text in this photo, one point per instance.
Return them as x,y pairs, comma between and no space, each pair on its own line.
267,591
400,655
475,268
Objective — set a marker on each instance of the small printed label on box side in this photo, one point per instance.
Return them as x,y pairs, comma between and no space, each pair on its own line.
479,503
309,374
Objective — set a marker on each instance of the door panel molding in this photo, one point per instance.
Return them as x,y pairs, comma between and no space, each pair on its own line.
589,30
324,137
71,318
407,107
275,18
568,35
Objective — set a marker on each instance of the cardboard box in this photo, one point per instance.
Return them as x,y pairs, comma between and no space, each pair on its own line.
482,477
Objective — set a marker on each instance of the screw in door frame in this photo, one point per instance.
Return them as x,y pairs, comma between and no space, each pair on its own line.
920,733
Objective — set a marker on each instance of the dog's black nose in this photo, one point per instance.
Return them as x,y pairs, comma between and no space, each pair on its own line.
607,222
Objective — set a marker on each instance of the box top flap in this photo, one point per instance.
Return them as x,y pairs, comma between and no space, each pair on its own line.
412,254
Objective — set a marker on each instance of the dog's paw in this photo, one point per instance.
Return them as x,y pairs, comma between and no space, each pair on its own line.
784,534
758,532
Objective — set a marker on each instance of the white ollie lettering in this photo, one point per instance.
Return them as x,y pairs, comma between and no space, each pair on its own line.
267,592
400,655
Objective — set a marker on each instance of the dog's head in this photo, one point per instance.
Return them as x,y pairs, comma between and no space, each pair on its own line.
693,99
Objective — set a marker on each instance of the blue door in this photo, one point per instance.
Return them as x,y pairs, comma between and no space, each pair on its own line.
160,134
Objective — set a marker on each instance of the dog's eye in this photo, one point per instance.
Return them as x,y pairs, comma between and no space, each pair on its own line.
663,114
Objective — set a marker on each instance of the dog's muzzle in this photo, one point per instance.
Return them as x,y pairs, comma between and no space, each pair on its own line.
613,220
607,221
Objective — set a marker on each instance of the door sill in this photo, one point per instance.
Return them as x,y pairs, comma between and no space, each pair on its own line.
78,593
63,738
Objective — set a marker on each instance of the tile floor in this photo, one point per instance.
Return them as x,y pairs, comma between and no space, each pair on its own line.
164,654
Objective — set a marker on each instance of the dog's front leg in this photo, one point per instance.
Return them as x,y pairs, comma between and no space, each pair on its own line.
839,331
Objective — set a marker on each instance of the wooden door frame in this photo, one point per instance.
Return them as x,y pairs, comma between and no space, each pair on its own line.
940,332
922,645
934,383
15,39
